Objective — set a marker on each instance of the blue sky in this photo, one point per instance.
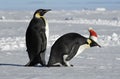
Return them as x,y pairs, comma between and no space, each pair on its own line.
57,4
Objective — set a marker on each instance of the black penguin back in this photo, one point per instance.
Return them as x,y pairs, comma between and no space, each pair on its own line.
35,35
64,45
69,39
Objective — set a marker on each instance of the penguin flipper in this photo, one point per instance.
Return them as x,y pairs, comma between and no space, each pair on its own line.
42,59
43,49
73,52
44,42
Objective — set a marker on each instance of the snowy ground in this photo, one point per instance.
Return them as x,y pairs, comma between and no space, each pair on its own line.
94,63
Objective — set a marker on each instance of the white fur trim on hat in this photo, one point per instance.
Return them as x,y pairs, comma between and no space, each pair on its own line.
93,34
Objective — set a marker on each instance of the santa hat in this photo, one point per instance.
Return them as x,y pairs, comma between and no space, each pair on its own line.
93,35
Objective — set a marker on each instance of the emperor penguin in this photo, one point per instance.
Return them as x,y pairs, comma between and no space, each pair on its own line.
36,38
70,45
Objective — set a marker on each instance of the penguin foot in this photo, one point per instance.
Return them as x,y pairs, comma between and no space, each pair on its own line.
71,65
68,65
53,66
28,64
59,65
31,63
37,65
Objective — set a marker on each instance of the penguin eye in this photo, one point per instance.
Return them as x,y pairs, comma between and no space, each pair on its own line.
89,41
37,15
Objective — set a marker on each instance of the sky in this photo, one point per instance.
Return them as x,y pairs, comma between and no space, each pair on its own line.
58,4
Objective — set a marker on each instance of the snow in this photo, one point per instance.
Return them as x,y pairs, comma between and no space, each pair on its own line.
100,9
93,63
10,43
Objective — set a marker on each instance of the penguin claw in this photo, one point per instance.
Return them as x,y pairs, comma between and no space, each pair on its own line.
53,66
69,65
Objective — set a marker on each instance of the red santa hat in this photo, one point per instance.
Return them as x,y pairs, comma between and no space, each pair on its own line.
93,34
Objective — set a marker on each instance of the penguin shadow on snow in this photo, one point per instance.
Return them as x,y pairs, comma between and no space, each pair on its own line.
17,65
6,64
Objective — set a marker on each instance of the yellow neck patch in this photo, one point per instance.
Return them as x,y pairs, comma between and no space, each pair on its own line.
89,41
37,15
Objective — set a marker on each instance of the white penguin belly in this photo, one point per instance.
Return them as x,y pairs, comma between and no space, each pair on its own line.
82,48
47,30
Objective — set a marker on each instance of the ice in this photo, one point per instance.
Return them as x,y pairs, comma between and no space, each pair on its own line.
10,44
118,59
100,9
115,37
2,18
18,43
87,21
113,40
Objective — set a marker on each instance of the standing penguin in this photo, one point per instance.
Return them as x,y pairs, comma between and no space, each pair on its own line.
36,38
69,46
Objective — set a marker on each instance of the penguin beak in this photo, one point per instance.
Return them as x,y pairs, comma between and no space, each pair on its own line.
94,44
98,45
46,10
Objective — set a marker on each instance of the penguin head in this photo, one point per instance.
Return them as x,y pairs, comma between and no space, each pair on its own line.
40,12
92,43
92,40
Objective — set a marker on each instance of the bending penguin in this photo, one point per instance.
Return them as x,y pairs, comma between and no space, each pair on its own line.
36,38
69,46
